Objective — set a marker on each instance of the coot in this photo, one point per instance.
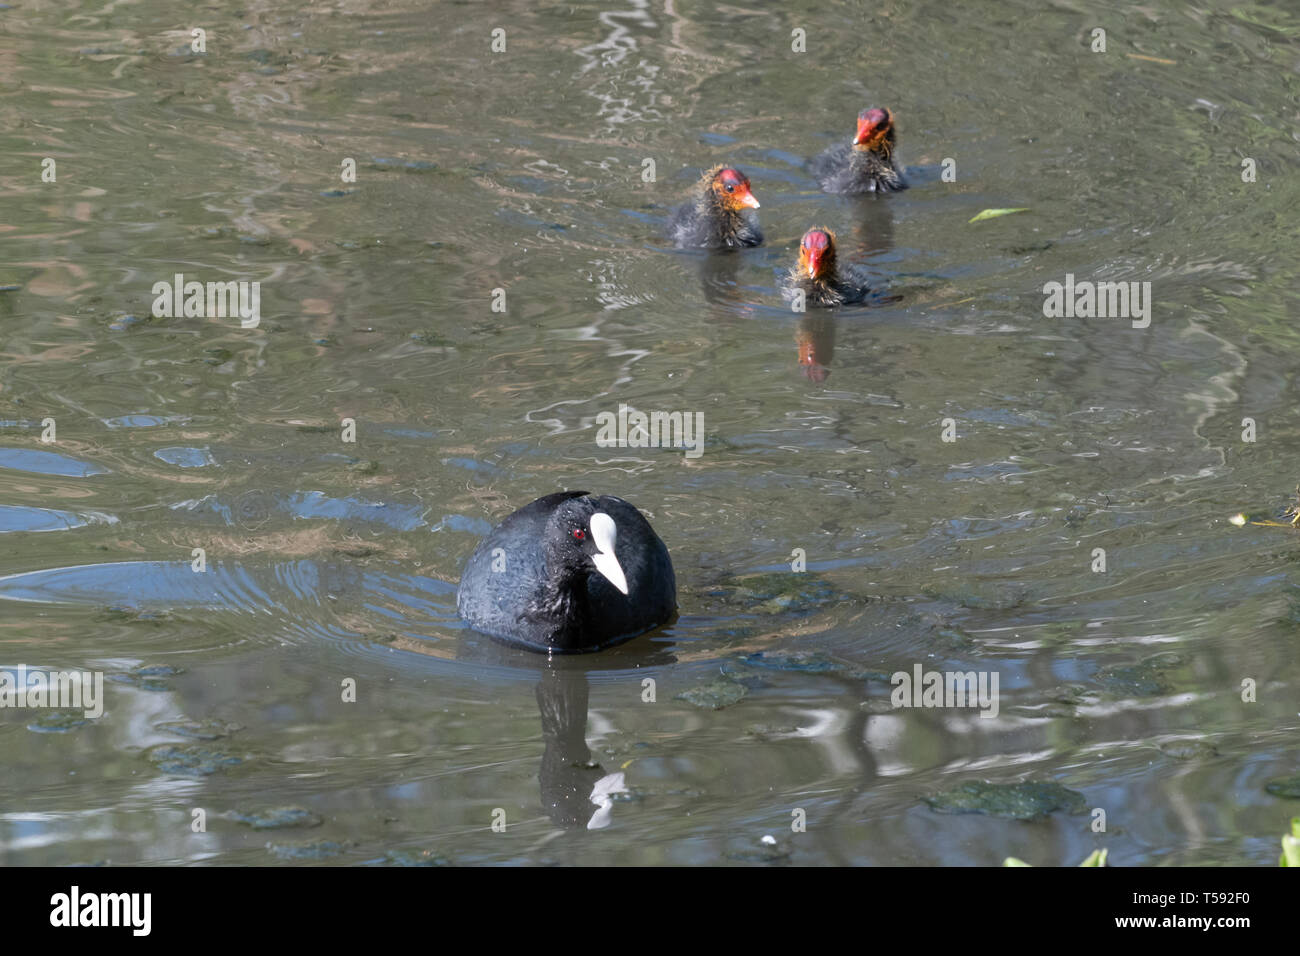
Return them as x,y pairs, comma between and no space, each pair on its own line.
567,574
867,164
719,214
823,281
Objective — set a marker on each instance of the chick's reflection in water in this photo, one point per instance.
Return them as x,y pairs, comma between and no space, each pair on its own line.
576,792
720,275
815,340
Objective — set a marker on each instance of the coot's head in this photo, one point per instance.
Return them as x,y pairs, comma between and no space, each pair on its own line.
580,539
817,253
875,129
730,188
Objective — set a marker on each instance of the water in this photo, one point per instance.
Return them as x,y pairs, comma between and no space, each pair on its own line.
331,562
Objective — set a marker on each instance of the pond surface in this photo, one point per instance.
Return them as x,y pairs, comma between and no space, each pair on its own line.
331,565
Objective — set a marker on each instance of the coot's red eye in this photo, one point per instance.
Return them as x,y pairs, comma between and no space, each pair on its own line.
579,534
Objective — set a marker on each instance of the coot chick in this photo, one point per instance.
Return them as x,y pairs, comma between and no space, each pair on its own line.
819,275
718,216
567,574
867,164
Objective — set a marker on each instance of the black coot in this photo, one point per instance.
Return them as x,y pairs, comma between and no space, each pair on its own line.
567,574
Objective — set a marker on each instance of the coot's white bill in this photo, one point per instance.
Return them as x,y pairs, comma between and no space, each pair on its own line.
603,535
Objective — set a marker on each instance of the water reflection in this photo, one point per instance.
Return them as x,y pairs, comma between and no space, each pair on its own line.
720,273
574,788
815,345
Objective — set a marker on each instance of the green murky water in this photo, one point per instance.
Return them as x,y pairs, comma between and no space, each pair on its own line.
332,564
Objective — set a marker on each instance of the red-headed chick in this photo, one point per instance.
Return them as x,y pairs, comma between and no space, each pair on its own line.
720,213
867,164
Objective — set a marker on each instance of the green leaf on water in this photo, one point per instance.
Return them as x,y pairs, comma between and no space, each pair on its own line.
1096,858
1291,845
994,213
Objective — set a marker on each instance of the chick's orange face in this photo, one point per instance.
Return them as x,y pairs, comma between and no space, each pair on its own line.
873,126
816,252
732,188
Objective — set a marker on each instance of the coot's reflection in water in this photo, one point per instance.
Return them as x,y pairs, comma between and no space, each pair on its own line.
576,792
